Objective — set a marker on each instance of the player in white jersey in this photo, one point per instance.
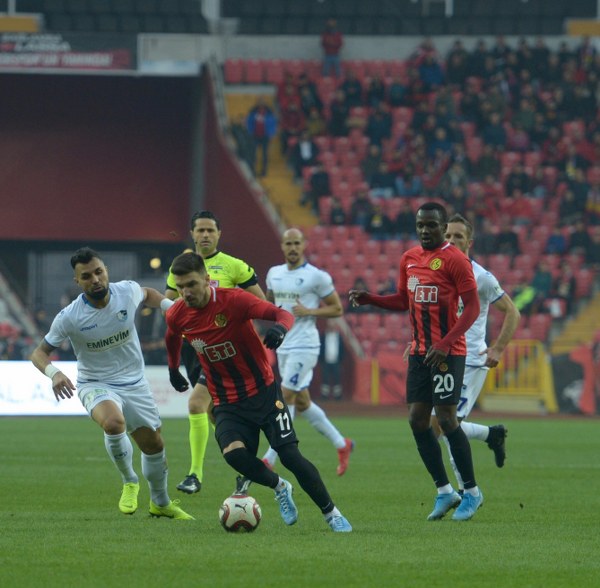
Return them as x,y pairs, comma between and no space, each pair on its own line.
100,324
308,293
480,357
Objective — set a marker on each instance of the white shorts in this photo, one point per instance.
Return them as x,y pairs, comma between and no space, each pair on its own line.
296,369
473,381
135,402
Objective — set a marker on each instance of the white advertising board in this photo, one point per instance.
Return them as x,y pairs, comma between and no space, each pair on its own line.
26,391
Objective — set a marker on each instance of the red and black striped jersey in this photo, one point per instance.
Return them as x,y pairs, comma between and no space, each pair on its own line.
231,353
433,281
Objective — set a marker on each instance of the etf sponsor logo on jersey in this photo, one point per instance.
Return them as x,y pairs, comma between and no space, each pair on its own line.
423,294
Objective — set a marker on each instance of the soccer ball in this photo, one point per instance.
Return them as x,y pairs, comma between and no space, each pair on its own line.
240,514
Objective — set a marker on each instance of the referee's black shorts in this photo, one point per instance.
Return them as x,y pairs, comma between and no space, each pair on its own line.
435,385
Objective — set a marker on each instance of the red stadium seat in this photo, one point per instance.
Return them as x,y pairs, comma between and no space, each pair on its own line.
253,73
539,325
233,71
273,71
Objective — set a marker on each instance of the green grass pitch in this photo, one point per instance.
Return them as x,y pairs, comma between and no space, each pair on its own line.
60,525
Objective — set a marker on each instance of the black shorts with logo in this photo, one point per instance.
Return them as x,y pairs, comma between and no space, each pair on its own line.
244,420
439,385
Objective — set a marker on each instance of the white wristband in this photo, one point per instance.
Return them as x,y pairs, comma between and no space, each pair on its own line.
51,370
165,304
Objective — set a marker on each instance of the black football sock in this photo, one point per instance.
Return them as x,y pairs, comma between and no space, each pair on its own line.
431,454
461,452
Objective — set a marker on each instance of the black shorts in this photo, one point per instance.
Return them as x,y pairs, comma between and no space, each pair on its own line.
244,420
190,360
437,386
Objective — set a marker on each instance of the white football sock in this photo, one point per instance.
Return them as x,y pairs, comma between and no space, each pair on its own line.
154,468
475,431
318,419
458,477
120,451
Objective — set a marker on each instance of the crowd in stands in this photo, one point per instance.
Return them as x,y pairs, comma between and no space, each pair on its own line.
508,136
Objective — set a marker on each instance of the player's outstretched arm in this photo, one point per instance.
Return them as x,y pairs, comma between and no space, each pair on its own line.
398,301
510,323
61,385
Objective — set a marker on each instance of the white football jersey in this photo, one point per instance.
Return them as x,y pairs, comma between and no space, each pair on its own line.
306,285
105,340
489,291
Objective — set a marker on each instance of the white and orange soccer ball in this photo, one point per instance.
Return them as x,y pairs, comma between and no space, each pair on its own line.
240,514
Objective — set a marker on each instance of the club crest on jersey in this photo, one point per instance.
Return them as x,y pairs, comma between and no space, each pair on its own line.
443,367
198,345
279,405
435,264
122,315
220,320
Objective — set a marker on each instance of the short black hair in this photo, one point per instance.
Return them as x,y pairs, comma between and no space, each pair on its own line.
459,218
436,206
205,214
187,263
84,255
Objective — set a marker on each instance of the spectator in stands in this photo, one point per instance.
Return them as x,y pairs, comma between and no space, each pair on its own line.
383,183
409,183
476,62
592,256
405,221
500,52
353,90
262,126
580,187
397,92
386,286
564,287
244,143
571,162
379,125
370,164
470,105
517,179
361,209
553,148
337,215
570,210
539,184
431,73
487,240
306,84
556,243
592,204
539,56
315,123
456,199
488,164
332,42
339,114
309,101
439,143
319,187
579,239
542,283
292,126
507,241
303,154
456,175
375,91
494,132
379,226
539,131
518,139
456,66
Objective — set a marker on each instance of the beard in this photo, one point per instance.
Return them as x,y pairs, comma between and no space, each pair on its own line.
98,294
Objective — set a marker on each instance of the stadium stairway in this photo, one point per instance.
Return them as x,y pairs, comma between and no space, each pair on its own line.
582,329
279,184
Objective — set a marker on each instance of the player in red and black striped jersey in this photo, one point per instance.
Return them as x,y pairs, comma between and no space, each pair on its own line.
432,279
247,399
